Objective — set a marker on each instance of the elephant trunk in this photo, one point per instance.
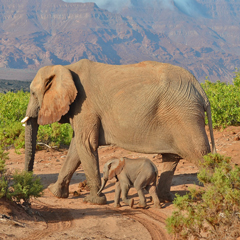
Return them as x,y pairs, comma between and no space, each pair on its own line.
31,128
102,187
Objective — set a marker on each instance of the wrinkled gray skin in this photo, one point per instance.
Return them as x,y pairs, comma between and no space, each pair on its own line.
148,107
139,173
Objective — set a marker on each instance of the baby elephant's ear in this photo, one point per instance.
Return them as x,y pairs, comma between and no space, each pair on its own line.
115,168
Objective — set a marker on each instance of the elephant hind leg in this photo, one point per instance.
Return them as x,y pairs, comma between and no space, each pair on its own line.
142,199
152,189
170,162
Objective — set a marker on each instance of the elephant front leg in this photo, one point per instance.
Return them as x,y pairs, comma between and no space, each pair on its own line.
90,166
126,200
117,195
170,162
61,187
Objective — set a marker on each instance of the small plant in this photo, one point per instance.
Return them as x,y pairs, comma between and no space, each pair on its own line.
19,186
25,186
3,177
3,186
212,212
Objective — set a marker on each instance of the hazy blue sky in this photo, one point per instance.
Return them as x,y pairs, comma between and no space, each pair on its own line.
187,6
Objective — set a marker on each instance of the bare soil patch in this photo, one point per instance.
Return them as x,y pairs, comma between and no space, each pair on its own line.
54,218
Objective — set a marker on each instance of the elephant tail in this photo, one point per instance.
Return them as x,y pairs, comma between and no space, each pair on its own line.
156,173
209,117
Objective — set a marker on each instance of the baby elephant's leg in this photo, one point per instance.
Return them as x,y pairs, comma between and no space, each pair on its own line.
138,184
117,195
152,189
142,199
125,189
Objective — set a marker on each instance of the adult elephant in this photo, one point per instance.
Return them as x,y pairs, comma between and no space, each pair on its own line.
148,107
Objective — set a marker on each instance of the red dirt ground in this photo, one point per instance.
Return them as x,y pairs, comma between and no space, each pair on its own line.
70,218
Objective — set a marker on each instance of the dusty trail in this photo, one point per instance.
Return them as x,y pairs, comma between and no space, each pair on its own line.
59,220
154,223
54,220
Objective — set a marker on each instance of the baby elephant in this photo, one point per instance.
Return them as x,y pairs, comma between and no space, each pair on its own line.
140,173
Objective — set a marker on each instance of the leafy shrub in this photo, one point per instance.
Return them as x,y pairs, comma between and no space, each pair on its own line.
19,186
225,101
3,158
212,212
25,186
13,109
3,186
3,178
55,134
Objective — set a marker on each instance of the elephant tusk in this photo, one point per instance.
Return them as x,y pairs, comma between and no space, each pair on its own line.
25,120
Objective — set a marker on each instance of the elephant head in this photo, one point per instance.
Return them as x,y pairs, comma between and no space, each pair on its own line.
110,170
51,93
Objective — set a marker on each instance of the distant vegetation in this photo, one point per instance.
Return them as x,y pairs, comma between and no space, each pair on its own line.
12,110
224,99
14,86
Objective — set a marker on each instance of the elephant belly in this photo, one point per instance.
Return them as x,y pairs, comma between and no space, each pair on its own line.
185,137
133,140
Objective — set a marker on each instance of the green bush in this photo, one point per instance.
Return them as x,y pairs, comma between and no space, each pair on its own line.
3,158
13,109
3,177
225,101
212,212
25,186
55,134
3,186
20,185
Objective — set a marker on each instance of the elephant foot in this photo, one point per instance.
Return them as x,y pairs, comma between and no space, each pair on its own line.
60,192
157,205
118,205
167,197
96,199
142,205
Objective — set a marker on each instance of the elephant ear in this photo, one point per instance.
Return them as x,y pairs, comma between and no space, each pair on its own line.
115,168
59,92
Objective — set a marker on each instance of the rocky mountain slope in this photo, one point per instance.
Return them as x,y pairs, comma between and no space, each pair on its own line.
200,35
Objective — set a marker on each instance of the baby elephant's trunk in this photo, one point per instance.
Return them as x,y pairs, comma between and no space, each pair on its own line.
102,187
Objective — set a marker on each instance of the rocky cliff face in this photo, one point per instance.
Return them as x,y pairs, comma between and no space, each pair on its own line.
202,37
